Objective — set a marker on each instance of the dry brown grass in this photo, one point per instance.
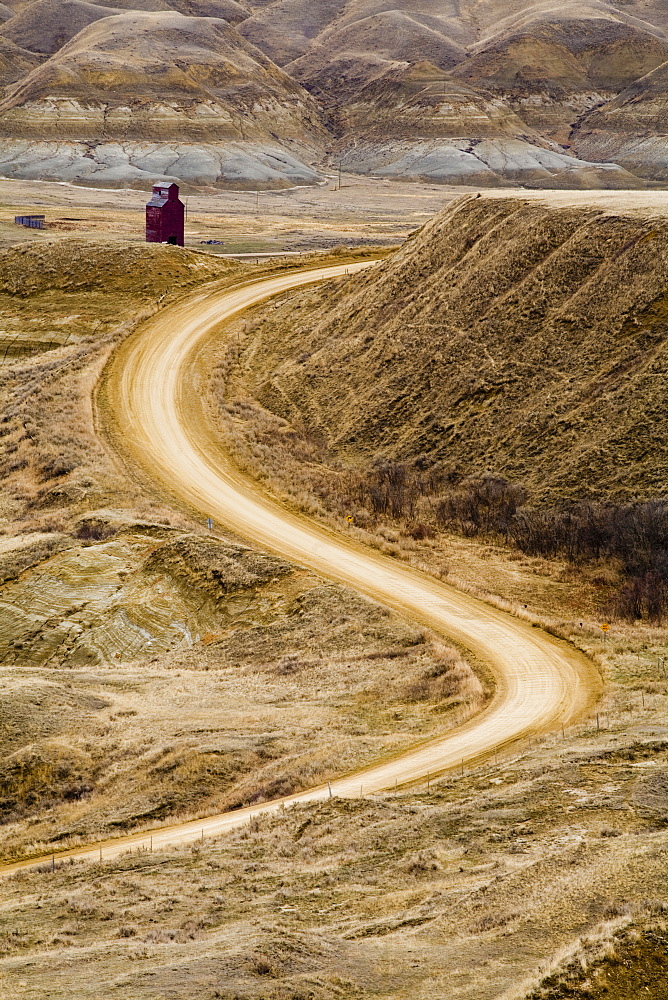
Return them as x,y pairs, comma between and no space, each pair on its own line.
161,673
116,717
200,674
297,464
320,445
478,883
626,959
505,337
94,294
302,220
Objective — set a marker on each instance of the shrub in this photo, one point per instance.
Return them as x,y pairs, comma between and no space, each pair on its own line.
636,535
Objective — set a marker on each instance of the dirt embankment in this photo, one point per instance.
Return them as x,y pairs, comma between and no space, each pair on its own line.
506,337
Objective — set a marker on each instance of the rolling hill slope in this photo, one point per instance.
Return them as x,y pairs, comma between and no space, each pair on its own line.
15,62
46,25
505,338
632,128
548,77
547,64
161,77
423,123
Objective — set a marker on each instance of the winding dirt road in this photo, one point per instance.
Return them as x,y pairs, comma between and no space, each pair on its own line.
153,407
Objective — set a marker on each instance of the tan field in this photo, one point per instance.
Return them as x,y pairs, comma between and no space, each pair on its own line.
155,672
361,212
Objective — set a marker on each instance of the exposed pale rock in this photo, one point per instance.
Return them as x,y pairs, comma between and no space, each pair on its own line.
136,164
444,162
487,162
420,123
549,64
487,91
632,129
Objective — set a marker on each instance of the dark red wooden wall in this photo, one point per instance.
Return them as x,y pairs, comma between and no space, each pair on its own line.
165,215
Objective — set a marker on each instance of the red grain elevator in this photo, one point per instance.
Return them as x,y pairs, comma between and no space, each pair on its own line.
164,215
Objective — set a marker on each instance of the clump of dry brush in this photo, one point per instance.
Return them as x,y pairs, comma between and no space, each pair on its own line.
629,541
633,537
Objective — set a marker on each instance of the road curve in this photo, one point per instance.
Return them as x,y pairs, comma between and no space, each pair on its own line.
151,404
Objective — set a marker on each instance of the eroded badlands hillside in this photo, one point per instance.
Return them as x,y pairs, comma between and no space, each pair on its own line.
506,337
220,92
632,127
140,94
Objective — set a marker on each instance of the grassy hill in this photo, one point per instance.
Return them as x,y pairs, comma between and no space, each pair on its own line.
502,375
506,337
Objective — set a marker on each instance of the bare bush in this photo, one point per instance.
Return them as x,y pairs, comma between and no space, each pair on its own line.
492,921
633,536
481,506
